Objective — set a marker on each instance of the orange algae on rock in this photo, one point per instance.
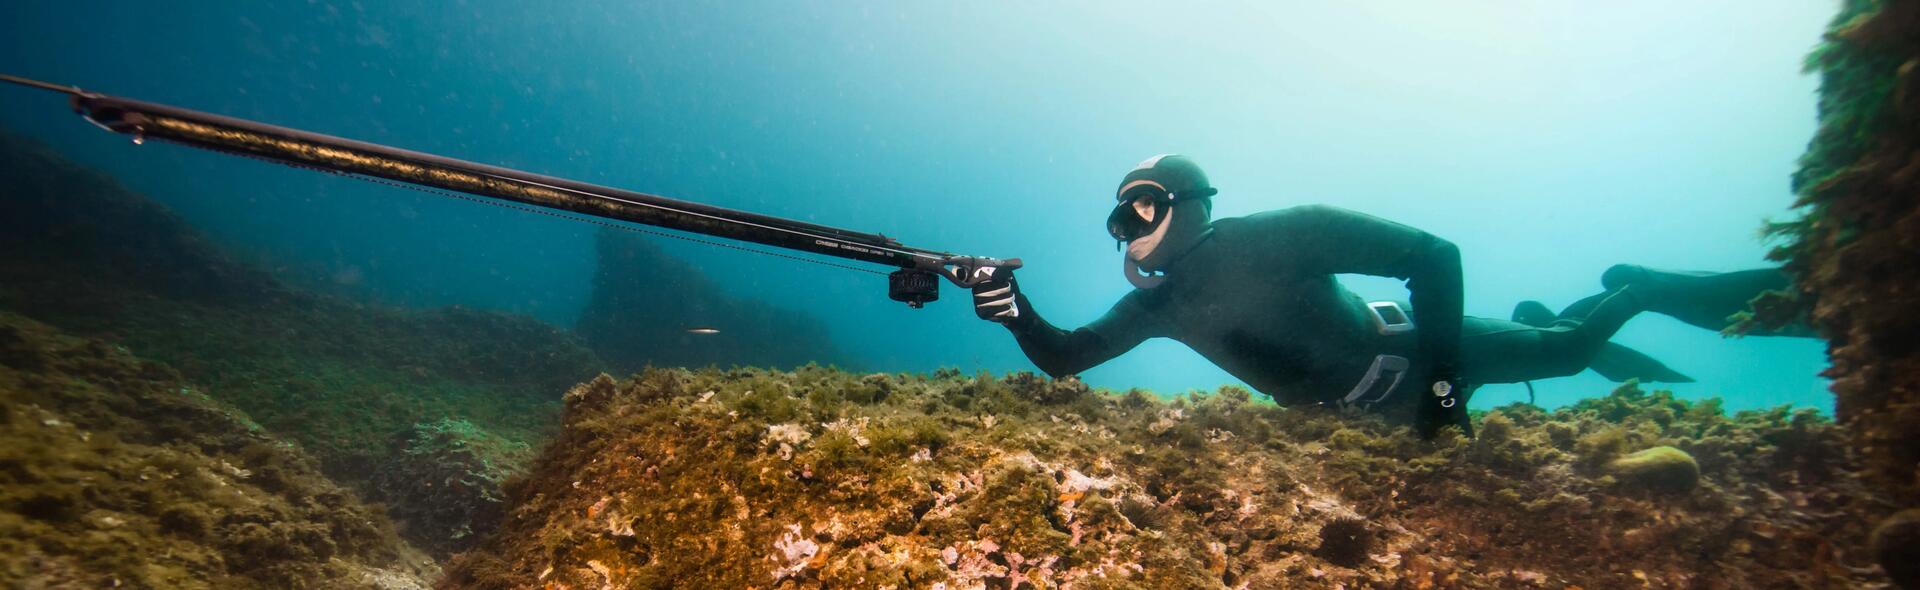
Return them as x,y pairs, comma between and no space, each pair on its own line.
818,478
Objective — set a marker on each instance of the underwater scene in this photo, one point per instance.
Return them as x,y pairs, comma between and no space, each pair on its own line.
1247,295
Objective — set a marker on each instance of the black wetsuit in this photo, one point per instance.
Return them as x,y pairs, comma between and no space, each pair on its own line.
1258,297
1709,300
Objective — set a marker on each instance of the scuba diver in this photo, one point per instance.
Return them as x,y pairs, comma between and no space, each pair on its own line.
1257,296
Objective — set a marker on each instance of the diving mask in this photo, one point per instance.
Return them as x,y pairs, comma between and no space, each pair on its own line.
1125,225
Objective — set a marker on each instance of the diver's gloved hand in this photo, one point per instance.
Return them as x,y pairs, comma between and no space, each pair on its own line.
1443,403
997,297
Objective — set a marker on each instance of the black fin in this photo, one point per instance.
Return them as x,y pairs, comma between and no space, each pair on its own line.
1618,363
1533,313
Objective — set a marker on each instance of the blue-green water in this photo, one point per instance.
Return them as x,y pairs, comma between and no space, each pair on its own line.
1547,141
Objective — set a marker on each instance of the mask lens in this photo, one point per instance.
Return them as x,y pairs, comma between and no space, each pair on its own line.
1123,224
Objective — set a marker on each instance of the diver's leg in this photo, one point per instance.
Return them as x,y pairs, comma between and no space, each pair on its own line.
1580,311
1614,361
1500,351
1704,299
1601,315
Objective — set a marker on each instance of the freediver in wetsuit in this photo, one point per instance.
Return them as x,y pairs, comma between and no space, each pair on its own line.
1257,296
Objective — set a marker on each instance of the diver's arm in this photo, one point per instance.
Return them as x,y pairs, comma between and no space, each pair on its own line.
1059,352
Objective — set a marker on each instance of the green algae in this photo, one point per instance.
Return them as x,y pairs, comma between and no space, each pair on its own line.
1851,249
447,480
116,473
344,381
821,478
1660,469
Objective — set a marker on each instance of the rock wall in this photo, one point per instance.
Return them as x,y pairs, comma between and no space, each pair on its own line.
1856,251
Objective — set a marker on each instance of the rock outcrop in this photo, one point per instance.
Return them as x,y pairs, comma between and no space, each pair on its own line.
825,479
114,472
1855,252
342,379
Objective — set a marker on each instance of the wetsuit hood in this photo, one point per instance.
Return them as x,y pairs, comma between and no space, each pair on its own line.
1182,208
1173,173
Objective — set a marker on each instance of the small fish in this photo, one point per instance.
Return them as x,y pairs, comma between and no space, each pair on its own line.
703,331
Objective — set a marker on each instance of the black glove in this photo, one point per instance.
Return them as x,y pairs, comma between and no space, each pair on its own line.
997,298
1443,403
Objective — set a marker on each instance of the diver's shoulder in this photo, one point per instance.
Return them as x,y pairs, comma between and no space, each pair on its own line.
1307,210
1273,217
